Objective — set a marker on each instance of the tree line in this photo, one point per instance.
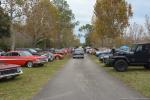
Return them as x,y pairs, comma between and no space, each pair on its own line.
37,23
111,25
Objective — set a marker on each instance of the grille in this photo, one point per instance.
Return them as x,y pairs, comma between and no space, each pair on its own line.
9,71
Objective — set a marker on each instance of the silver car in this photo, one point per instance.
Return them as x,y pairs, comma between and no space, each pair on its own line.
78,53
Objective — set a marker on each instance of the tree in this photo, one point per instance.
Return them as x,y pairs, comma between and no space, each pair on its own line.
65,22
41,23
4,24
87,29
13,8
111,18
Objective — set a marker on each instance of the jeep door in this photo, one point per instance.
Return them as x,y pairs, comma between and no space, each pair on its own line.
140,55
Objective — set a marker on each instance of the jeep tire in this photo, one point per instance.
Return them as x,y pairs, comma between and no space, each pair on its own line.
147,66
120,65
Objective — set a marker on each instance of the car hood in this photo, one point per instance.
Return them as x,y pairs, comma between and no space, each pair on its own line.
7,66
122,52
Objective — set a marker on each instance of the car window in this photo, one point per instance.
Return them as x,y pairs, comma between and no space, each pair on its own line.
133,48
147,48
32,50
7,54
25,53
139,48
15,54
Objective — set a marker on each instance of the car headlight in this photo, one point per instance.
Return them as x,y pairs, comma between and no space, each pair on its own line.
19,70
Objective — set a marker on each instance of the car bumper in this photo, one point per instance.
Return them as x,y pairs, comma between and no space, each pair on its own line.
10,75
109,62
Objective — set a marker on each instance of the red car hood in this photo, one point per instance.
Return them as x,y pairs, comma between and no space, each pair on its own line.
56,54
8,66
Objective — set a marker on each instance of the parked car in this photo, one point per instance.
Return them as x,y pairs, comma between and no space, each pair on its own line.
102,51
57,51
52,50
58,56
23,58
9,71
32,51
104,56
49,55
139,55
78,53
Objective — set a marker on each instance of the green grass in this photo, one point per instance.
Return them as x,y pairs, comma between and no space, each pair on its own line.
136,77
30,82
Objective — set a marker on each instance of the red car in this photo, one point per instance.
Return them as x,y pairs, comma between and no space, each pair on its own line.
9,70
23,58
58,56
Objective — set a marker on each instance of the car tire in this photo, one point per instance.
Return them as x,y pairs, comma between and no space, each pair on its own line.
50,60
29,64
147,66
121,65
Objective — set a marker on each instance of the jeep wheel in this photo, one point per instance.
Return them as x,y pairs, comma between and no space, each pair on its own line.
147,66
29,64
121,65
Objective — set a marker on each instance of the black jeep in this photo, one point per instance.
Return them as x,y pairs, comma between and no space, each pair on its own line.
139,55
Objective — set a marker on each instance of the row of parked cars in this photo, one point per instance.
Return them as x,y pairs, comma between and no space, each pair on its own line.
122,58
11,62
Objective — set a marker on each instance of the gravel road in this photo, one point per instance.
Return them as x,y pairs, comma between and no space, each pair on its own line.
82,79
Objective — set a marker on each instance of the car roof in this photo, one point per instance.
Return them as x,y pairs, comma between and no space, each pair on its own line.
143,43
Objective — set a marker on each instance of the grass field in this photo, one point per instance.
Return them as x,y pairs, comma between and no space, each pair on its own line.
30,82
136,77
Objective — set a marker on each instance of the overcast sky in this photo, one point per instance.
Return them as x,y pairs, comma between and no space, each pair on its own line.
83,10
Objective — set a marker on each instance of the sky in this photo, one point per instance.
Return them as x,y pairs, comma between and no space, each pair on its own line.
83,10
140,9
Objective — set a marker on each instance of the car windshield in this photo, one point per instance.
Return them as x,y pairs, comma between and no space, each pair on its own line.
133,47
32,50
78,51
25,53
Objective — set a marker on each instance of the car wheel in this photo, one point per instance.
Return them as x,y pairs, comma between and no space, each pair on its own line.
50,60
121,65
29,64
147,66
